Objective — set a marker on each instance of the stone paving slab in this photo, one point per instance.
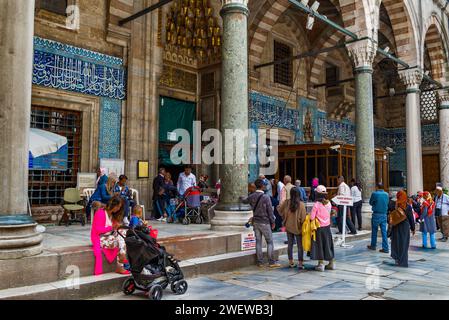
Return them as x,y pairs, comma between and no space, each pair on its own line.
426,278
418,291
341,290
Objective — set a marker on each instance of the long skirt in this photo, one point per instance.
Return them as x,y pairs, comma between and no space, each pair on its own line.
323,247
400,242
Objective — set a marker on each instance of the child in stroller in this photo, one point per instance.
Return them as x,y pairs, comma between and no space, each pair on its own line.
152,268
186,209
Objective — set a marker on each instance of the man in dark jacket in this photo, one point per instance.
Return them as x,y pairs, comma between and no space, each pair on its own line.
158,183
263,223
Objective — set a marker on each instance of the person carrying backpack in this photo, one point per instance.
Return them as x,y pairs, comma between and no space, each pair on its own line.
263,223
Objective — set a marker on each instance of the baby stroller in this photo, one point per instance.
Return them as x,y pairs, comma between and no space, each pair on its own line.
188,209
152,268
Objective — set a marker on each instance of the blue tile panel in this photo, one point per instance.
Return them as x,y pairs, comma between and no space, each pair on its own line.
266,110
61,66
110,128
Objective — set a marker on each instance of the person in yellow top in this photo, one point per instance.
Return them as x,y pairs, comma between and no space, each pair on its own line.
293,213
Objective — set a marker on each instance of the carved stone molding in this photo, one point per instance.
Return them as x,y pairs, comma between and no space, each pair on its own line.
362,53
241,2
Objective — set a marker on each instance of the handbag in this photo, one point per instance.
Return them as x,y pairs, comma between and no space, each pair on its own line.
397,216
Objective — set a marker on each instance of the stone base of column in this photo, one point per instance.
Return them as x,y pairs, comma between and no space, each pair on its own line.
367,213
234,221
19,238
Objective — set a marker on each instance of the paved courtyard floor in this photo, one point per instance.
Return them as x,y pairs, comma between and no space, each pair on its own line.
360,275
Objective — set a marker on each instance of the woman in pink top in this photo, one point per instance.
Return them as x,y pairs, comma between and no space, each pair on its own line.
105,238
323,247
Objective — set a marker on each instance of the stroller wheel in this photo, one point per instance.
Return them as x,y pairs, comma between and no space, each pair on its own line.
199,220
155,293
129,286
179,287
186,221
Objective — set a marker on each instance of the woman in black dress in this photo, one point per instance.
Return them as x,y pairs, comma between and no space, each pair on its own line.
400,234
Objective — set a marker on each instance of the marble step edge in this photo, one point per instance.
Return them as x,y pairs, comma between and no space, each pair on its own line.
109,283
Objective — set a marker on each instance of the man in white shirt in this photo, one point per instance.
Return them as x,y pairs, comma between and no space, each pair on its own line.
186,180
344,190
279,186
356,210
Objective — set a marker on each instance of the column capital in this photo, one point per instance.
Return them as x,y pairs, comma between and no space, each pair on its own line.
235,6
412,79
362,54
443,98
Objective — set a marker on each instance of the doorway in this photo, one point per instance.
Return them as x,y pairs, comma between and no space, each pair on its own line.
431,176
174,114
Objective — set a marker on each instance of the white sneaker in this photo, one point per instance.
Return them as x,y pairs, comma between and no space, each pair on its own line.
125,221
160,219
320,268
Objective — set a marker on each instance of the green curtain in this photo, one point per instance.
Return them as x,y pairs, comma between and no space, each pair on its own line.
174,114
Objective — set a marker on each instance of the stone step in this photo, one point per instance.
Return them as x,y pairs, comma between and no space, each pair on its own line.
56,264
109,283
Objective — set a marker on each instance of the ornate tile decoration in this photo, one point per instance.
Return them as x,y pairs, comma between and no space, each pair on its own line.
270,111
266,110
110,125
61,66
309,131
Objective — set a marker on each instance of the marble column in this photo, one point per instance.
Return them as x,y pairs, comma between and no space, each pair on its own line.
230,214
412,79
18,236
444,137
363,53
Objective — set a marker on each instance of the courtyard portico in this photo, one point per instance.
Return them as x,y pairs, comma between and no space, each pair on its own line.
372,74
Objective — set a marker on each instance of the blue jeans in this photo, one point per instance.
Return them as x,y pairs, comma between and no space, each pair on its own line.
433,242
379,220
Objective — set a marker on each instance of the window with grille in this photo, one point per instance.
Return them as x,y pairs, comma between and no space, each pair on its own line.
46,187
283,72
54,6
332,74
429,103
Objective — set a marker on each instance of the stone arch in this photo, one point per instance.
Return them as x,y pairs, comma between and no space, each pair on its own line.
357,16
330,39
404,31
262,23
434,39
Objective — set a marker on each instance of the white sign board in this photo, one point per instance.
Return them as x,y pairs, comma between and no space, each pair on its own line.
171,136
343,201
113,166
248,241
86,180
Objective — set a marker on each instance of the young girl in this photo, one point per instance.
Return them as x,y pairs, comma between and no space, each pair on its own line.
105,238
323,247
293,213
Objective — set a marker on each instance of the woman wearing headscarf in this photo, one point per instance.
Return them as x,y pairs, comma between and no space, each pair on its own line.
400,233
315,183
428,220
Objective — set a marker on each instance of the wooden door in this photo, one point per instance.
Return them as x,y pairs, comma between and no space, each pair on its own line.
431,166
